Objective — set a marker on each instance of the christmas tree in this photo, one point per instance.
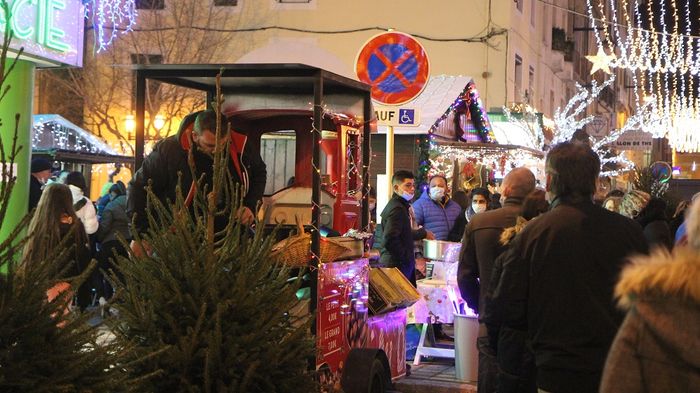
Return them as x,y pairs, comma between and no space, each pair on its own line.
43,347
207,308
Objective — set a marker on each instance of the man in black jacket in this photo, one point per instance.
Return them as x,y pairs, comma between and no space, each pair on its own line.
399,235
169,159
41,171
480,247
558,277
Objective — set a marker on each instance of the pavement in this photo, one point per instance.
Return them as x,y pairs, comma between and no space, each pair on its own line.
434,377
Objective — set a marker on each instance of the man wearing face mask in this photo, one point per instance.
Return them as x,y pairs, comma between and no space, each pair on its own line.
435,210
480,248
197,135
397,244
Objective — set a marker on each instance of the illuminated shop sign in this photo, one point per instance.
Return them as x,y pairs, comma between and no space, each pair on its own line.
51,31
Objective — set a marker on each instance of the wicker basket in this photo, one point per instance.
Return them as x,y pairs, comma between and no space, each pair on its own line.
295,250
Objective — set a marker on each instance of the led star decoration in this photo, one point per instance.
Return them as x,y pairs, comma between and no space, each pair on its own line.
601,61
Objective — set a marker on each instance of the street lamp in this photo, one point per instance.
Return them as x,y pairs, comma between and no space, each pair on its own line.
130,126
158,122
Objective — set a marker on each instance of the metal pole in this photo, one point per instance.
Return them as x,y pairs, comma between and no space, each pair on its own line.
390,158
316,191
140,118
366,117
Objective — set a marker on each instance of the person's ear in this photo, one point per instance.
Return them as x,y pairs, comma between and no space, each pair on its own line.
547,184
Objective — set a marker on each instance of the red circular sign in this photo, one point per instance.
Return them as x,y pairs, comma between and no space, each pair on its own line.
396,66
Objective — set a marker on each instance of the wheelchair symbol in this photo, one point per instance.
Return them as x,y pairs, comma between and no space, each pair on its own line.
406,116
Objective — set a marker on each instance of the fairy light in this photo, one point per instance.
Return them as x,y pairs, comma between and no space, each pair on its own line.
565,120
529,123
110,18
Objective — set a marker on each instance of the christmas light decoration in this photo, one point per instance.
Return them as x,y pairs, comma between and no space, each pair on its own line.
529,123
565,120
601,61
110,18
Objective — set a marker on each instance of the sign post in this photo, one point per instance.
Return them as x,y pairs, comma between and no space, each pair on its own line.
397,67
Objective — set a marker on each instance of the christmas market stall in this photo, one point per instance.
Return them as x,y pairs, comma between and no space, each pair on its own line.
311,128
72,148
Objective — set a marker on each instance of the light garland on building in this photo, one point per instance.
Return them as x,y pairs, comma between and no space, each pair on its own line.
109,18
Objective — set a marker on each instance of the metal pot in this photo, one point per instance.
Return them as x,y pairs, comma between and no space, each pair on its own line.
440,250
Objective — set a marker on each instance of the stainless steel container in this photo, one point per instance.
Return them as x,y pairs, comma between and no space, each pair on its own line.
439,250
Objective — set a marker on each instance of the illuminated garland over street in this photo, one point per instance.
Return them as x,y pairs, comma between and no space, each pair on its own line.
110,18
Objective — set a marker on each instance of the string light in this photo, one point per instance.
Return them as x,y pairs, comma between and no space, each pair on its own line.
109,18
565,120
529,123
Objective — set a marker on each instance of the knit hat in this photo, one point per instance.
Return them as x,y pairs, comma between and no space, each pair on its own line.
633,203
40,164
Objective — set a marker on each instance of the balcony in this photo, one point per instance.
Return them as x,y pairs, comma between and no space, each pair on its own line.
561,44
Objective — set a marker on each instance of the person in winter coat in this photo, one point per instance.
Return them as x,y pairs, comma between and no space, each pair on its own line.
114,224
516,362
41,171
84,208
480,248
559,272
657,348
435,211
169,159
650,213
478,203
53,221
398,233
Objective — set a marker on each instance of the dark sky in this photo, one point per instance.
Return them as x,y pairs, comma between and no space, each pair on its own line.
680,6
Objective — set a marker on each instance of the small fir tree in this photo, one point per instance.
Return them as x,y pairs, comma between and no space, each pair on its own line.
43,347
208,309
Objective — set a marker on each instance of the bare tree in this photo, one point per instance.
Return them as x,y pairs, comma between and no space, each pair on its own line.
184,32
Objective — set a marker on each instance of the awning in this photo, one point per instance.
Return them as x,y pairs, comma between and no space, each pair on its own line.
434,102
55,137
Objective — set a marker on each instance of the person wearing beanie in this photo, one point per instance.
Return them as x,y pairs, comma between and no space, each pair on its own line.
41,171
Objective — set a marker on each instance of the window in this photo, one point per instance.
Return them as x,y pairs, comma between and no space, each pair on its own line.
533,12
151,85
530,84
150,4
518,93
278,151
229,3
519,5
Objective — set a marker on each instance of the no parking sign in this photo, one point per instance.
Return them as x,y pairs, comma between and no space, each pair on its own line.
396,65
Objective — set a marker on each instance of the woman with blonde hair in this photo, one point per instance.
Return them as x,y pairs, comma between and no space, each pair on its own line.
56,227
657,348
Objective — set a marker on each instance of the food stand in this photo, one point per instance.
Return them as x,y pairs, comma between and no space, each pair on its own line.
312,130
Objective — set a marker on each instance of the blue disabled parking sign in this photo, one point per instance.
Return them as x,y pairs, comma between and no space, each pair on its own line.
407,116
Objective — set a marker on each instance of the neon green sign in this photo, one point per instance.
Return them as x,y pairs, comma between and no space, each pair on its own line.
48,24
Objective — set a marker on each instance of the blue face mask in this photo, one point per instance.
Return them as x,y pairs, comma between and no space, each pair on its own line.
407,196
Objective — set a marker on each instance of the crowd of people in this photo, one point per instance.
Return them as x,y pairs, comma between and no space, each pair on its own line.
541,271
543,268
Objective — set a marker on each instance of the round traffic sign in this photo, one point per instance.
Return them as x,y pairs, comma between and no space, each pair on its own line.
396,65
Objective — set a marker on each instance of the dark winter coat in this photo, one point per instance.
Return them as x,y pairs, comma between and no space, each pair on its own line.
557,283
658,233
657,349
480,247
34,192
398,237
436,217
114,221
169,158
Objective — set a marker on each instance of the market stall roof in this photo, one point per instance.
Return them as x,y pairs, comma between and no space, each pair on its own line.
438,96
56,137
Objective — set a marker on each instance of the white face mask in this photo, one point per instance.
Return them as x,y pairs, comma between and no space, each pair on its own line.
407,196
437,193
478,208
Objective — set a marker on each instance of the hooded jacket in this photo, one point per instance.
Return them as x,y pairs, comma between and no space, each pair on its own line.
436,217
657,349
85,210
168,160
